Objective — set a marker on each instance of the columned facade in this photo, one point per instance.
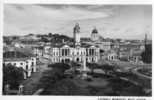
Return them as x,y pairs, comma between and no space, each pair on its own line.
77,53
66,54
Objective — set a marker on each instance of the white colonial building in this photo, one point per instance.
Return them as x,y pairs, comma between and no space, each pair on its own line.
77,52
19,58
67,53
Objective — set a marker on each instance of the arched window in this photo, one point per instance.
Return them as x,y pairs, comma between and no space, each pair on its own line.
92,59
26,67
77,52
77,59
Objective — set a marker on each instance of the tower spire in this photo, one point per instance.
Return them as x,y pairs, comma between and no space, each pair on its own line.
76,31
145,40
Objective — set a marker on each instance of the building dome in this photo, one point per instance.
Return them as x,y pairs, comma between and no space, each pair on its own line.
94,31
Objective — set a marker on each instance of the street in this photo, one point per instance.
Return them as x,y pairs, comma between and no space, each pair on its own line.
30,84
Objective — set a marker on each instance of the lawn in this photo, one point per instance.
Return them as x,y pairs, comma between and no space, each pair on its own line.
97,84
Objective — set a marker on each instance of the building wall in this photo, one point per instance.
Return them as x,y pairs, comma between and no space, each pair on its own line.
94,37
77,39
67,53
16,63
28,65
38,52
104,45
113,57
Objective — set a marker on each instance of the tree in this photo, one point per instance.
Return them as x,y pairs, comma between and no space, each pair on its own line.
93,66
53,75
7,40
107,68
59,67
50,34
51,79
147,54
65,87
12,75
44,39
75,66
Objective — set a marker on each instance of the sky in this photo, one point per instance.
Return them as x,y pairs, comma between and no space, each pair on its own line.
111,21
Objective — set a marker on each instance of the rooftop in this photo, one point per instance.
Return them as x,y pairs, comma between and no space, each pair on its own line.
14,52
94,31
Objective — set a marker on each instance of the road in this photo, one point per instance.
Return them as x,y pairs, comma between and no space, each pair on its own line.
125,66
135,71
30,84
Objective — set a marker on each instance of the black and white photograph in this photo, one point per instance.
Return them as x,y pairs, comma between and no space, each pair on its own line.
77,50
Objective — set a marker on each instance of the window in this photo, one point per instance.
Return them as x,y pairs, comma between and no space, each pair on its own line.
77,53
66,52
92,59
62,52
26,67
90,52
32,63
72,53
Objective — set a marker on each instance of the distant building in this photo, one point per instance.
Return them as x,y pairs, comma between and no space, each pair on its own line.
110,55
99,41
104,45
124,55
38,51
136,56
18,44
94,35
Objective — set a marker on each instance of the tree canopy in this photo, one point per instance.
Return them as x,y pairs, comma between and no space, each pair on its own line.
60,66
56,73
107,68
12,75
147,54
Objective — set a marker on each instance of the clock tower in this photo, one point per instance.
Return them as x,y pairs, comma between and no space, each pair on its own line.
76,35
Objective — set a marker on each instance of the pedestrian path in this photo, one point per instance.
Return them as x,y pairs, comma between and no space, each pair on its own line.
30,84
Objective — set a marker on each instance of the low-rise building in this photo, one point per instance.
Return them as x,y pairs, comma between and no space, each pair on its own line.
20,58
136,56
38,51
110,55
104,45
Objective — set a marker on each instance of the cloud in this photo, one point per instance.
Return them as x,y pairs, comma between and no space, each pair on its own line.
111,20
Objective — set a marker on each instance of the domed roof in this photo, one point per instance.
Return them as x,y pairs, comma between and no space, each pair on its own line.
94,31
